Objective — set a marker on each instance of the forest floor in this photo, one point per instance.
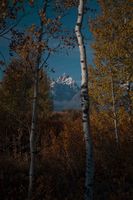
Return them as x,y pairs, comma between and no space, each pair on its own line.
60,166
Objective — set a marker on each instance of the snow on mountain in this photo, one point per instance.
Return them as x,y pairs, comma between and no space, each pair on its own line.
65,80
66,93
64,89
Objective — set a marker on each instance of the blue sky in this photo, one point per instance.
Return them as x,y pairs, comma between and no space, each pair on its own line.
69,63
60,61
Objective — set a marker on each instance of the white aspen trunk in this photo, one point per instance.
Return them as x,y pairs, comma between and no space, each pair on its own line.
33,145
89,171
114,110
129,101
33,134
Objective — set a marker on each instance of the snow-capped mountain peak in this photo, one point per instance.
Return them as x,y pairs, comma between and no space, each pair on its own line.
65,80
64,88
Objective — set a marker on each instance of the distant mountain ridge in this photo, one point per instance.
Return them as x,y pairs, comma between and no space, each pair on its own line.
66,93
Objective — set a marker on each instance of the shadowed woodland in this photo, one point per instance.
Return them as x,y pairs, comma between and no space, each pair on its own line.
26,104
60,159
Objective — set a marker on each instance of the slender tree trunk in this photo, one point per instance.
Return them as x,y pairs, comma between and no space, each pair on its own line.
33,145
129,101
114,110
33,134
89,173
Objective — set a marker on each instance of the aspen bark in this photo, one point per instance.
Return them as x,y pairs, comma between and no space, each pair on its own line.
129,101
114,109
33,134
89,171
33,145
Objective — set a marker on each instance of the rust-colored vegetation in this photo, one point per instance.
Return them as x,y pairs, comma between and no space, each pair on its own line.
60,155
61,159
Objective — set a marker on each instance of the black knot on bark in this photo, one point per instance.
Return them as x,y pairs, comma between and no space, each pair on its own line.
78,24
84,120
85,111
84,86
